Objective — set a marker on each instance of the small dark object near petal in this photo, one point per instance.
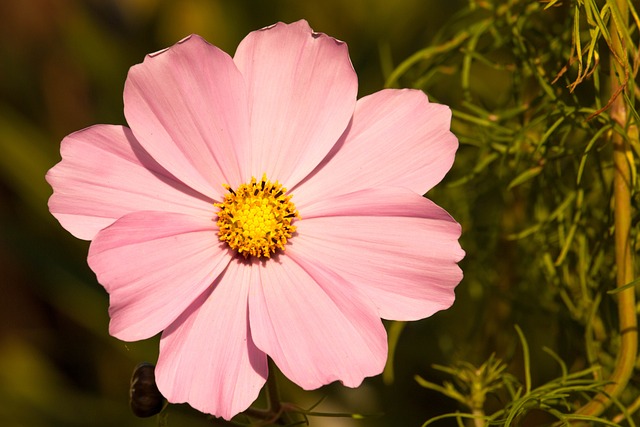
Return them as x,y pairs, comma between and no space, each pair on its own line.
145,398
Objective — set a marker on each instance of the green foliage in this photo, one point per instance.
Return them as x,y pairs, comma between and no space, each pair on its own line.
555,397
532,108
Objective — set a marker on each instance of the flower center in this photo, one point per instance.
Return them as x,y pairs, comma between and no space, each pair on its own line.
256,218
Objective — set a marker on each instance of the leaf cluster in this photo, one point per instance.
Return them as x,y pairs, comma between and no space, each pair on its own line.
530,87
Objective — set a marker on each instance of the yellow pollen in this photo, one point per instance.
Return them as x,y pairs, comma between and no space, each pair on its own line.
255,218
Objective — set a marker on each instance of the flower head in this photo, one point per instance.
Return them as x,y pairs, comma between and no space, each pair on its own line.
255,208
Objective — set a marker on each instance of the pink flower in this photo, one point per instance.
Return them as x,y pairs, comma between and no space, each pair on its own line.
227,163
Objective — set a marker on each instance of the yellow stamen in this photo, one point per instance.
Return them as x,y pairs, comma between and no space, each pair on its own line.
255,218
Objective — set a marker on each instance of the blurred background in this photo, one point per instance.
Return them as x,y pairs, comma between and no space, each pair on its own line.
529,171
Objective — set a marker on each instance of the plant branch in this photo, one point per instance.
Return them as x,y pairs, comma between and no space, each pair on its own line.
622,158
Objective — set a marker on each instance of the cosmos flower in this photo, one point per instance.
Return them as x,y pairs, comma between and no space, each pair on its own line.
255,208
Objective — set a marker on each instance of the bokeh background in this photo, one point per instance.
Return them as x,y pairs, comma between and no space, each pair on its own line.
63,64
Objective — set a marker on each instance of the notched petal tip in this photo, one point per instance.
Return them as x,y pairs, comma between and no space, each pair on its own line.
179,42
269,27
303,26
159,52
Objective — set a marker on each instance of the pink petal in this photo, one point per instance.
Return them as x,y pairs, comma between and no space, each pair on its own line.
315,326
187,105
396,138
207,356
105,174
154,265
393,245
302,89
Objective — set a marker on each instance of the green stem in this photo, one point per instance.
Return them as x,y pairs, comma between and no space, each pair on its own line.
479,420
273,393
622,158
276,413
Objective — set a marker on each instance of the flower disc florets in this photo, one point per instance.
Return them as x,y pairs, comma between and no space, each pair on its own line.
255,219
